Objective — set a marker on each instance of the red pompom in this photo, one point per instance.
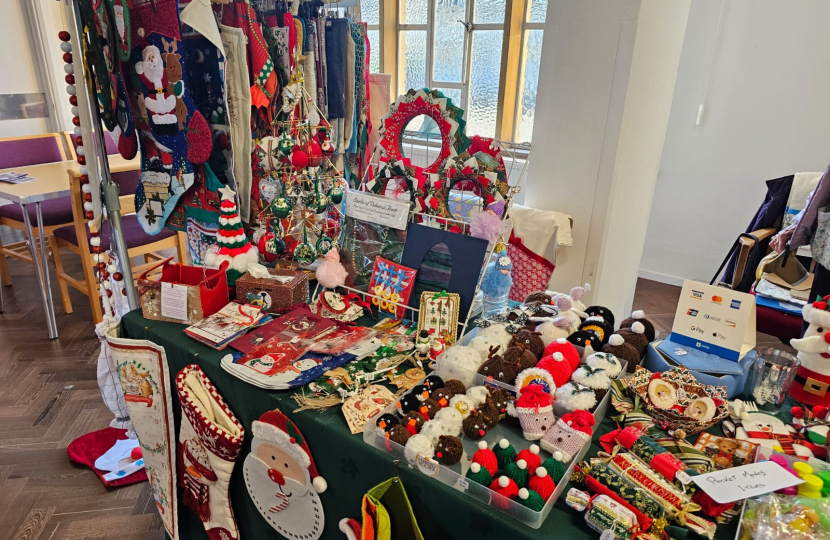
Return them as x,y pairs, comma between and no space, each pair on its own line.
819,411
73,100
63,35
797,412
70,79
136,453
67,57
88,215
76,121
82,160
820,305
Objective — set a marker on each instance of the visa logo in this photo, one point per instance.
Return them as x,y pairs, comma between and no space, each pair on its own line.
697,294
735,304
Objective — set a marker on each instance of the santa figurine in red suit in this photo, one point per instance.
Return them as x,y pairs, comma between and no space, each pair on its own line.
813,378
160,103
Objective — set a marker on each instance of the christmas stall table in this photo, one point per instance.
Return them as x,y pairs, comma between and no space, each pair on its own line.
350,466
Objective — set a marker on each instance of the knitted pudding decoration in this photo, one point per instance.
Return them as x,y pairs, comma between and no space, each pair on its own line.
505,453
428,408
555,468
487,458
455,386
535,412
497,368
442,396
635,336
474,426
606,361
569,434
640,316
543,297
558,367
574,396
450,418
505,486
531,457
594,378
597,325
532,341
602,312
413,421
623,351
542,483
501,398
479,475
569,352
531,499
518,472
399,434
449,449
521,356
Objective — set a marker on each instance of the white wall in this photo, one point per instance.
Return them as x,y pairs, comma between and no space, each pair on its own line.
767,115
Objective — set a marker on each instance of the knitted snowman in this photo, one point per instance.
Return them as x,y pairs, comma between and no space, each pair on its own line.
811,382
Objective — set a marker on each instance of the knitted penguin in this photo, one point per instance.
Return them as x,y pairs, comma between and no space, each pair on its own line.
599,327
428,408
399,434
385,422
602,312
408,403
587,340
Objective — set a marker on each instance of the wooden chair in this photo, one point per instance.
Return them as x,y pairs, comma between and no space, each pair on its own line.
139,243
19,152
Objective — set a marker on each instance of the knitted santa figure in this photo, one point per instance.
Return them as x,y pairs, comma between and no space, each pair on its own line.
535,412
282,479
569,435
209,442
233,244
813,377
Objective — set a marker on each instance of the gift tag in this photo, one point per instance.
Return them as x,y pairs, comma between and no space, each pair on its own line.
607,534
365,405
174,301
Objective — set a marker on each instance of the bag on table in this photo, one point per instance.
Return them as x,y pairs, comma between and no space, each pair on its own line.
207,290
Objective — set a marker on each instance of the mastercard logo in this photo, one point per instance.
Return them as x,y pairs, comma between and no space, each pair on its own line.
717,299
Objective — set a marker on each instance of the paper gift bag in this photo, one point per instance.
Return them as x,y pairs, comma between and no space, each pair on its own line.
183,294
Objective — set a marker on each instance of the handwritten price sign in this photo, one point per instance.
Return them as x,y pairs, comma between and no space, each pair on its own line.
747,481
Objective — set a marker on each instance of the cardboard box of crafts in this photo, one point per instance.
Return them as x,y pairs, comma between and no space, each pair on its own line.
455,475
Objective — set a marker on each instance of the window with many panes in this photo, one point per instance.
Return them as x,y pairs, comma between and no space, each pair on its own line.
484,54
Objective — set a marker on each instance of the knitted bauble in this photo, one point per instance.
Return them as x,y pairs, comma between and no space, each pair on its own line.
399,434
555,468
490,414
499,369
413,422
479,475
535,412
542,483
635,336
462,404
517,471
461,363
505,486
569,352
442,396
532,341
623,351
594,378
640,316
434,429
449,450
531,499
450,418
559,368
455,386
606,361
531,457
596,325
601,311
501,398
486,458
474,426
573,396
429,407
478,395
418,445
522,357
497,333
505,453
587,340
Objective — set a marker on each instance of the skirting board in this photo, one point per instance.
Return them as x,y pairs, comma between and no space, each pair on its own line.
662,278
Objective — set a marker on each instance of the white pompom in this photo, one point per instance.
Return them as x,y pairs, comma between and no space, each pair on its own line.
616,340
80,150
210,258
74,111
240,262
95,241
83,169
587,287
475,467
107,285
112,269
522,464
86,188
639,314
638,328
504,443
541,472
504,481
70,89
68,69
524,493
534,448
558,356
482,445
320,484
77,129
66,46
561,341
88,206
558,455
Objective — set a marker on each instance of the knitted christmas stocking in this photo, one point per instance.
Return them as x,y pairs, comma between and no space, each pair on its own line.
178,133
209,442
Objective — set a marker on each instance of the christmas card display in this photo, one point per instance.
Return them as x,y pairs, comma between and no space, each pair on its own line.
233,245
393,283
210,438
439,315
365,406
282,479
225,325
145,379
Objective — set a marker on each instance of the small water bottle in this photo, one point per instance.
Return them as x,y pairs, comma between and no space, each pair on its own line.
493,305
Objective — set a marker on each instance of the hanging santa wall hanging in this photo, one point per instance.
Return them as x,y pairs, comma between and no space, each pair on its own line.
813,377
282,479
210,438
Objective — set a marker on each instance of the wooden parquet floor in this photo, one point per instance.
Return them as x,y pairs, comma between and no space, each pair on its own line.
49,396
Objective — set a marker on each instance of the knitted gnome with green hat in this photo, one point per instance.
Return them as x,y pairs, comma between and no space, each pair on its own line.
282,479
233,244
813,377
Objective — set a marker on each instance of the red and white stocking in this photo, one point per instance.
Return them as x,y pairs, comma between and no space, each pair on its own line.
209,442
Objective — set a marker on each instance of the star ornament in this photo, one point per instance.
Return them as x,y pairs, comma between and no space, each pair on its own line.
227,193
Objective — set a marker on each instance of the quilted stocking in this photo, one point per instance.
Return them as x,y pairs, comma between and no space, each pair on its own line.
178,134
209,442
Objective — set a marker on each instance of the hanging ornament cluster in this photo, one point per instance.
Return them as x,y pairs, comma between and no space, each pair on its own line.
104,267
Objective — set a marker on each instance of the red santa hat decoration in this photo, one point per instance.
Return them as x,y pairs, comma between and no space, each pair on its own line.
811,382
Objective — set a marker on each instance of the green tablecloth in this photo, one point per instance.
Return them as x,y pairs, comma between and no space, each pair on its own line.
350,466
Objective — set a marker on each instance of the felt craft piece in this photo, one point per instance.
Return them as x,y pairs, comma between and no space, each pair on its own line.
449,450
282,478
145,379
623,351
474,426
393,283
640,316
535,412
467,259
574,396
478,474
451,418
210,438
605,361
532,341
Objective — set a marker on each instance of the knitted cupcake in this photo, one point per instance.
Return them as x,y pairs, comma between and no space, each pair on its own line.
574,396
594,378
640,316
504,453
487,458
479,475
588,341
635,336
535,412
531,341
449,450
497,368
543,297
606,361
517,471
542,483
413,422
531,457
451,418
567,349
520,356
501,399
569,435
558,367
555,468
600,311
531,499
597,325
623,351
474,426
455,386
399,434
